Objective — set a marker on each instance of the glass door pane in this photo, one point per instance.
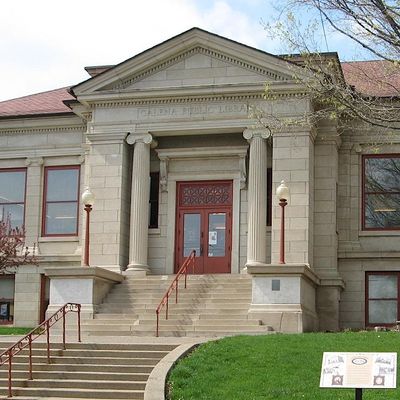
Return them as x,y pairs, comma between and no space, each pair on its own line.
216,234
191,234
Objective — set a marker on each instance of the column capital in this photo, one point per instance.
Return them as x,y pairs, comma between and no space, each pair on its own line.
251,133
145,138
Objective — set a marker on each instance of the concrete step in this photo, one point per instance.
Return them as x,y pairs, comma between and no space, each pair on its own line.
123,369
77,384
76,393
92,360
78,375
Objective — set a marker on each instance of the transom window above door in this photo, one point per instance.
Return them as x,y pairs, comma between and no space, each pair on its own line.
381,192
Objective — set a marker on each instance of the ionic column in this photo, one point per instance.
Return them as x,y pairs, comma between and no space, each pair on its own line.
140,197
257,196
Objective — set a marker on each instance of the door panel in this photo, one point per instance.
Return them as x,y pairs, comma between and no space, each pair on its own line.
204,227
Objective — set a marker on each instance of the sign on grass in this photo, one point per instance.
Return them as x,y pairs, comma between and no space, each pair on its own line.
359,370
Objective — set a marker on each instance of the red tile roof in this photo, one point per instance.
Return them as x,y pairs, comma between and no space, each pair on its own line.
50,102
374,78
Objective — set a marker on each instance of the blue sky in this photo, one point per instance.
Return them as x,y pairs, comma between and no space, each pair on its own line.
45,44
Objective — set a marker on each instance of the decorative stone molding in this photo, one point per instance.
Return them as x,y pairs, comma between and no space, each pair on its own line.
200,50
164,174
44,130
243,171
165,155
34,161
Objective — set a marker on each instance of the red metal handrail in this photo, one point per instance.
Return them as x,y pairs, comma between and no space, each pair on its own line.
175,286
40,330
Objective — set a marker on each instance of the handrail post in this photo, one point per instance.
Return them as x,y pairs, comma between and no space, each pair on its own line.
63,316
185,277
158,317
48,341
79,323
166,308
30,357
9,373
176,291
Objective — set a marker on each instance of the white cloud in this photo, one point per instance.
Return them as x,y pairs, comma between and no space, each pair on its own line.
46,43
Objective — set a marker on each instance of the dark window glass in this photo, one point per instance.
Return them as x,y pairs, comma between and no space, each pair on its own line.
269,196
60,214
382,298
153,204
381,192
12,196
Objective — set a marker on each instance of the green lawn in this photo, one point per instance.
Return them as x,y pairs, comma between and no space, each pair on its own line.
9,330
273,367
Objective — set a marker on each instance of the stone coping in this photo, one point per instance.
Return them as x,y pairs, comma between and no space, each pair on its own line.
155,387
85,273
333,282
304,270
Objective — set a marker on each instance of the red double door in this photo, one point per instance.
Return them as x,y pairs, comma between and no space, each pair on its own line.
204,224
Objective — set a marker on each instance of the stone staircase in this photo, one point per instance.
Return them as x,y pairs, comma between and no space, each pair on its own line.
212,305
96,371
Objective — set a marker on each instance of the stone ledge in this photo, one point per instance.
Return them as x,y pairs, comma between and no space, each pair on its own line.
258,269
84,272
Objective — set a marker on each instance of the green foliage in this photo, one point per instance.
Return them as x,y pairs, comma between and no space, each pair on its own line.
9,330
272,367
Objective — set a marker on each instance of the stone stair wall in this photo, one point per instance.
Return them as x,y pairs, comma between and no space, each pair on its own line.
212,305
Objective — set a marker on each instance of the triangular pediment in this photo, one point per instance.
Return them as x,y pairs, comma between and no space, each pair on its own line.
195,58
198,66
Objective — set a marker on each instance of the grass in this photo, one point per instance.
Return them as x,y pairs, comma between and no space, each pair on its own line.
273,367
9,330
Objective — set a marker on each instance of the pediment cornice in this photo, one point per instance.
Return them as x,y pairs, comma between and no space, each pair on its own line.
268,73
122,77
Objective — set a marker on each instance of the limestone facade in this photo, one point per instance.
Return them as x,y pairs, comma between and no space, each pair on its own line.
182,112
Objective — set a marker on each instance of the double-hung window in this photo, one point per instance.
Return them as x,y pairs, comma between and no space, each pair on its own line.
61,201
12,196
382,296
381,192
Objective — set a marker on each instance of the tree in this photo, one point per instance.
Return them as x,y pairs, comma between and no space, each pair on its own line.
13,251
369,92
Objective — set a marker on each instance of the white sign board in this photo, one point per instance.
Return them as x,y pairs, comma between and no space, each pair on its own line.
359,370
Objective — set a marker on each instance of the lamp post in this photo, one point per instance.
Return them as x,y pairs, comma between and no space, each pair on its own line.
88,201
283,194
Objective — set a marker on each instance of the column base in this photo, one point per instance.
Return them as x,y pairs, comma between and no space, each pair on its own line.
137,270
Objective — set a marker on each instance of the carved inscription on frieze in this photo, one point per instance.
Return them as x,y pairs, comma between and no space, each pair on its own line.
192,111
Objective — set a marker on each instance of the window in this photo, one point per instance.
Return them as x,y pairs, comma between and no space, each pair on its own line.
382,294
381,192
7,286
61,201
153,204
12,196
269,196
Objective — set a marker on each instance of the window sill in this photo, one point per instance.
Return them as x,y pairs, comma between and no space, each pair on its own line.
382,233
154,231
56,239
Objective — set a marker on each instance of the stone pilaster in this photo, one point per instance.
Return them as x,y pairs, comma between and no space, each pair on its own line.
32,203
140,195
257,196
293,162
